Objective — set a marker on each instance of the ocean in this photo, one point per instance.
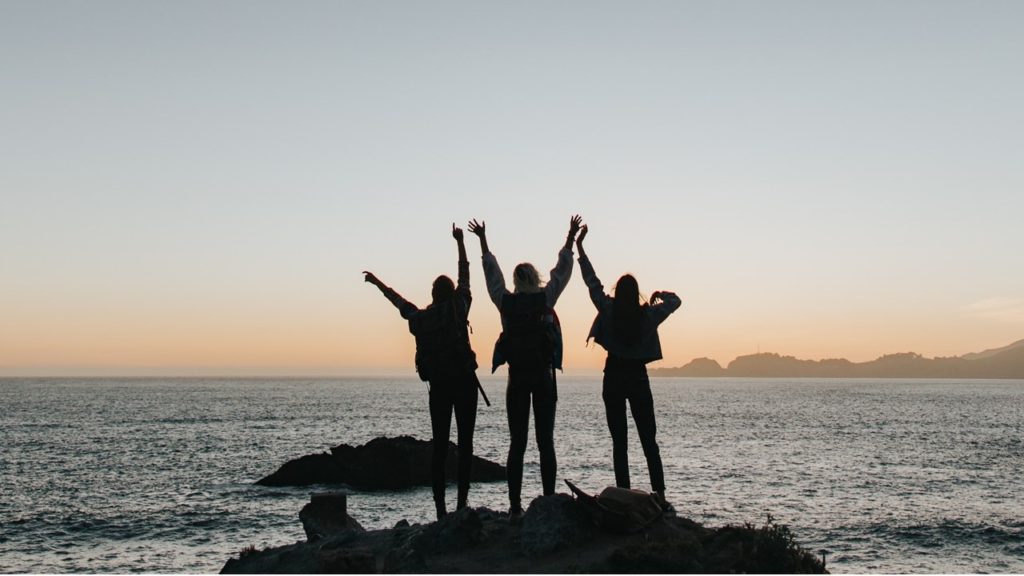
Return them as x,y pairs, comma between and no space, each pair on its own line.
156,475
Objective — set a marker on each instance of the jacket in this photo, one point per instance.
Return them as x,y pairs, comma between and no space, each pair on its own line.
648,347
557,280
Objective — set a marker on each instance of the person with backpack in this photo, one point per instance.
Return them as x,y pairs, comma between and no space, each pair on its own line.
628,331
446,361
531,344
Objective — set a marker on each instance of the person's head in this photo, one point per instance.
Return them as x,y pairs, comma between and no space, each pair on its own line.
627,304
627,289
526,279
443,289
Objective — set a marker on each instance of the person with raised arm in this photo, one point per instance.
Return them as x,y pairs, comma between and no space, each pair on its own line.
531,344
446,361
628,330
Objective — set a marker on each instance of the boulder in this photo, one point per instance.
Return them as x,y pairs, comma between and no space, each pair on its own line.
326,515
554,522
380,464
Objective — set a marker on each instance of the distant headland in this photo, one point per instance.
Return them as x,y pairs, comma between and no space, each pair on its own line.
1004,363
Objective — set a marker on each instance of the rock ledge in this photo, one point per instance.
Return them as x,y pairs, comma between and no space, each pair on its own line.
554,536
380,464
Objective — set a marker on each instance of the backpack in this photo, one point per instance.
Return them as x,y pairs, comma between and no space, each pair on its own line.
620,510
442,341
528,338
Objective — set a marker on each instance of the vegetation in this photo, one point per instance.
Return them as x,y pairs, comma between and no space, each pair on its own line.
770,549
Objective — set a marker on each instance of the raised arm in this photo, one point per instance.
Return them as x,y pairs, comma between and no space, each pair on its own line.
480,229
562,271
405,308
574,227
463,285
579,241
664,303
594,286
492,272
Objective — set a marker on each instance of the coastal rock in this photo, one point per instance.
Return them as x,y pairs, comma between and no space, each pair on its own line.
1006,362
327,515
556,536
554,522
380,464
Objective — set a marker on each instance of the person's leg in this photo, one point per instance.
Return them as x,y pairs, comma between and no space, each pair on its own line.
440,424
615,413
465,421
544,429
517,408
641,404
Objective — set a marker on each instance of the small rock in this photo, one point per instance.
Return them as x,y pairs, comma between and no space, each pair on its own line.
554,522
327,515
459,530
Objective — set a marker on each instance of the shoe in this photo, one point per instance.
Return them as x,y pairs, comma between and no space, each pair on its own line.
515,515
666,507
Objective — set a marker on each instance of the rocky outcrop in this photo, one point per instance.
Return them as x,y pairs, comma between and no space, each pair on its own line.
556,535
1006,362
326,515
554,523
380,464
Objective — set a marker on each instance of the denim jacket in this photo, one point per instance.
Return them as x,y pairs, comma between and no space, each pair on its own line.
648,347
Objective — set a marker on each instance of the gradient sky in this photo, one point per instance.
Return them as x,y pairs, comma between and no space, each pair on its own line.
194,187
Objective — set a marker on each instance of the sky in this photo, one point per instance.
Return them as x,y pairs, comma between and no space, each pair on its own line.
193,188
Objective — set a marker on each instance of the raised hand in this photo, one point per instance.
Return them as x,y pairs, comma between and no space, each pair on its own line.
583,234
574,225
456,232
369,277
480,230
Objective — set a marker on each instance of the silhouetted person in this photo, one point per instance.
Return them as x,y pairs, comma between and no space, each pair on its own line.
446,361
531,344
628,330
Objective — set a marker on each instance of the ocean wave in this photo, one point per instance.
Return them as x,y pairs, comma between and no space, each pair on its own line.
157,476
952,531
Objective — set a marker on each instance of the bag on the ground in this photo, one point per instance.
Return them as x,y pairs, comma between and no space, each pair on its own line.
442,341
527,339
620,509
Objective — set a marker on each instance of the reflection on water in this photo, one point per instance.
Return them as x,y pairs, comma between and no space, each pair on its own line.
156,475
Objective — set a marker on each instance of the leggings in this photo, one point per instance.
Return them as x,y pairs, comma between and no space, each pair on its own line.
627,380
458,393
526,384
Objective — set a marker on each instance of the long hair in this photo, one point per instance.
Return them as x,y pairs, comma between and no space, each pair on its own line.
443,289
628,311
526,279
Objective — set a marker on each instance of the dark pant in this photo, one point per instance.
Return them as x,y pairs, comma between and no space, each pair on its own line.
458,393
526,384
627,380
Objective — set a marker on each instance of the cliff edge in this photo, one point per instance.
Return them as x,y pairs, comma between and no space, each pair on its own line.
556,535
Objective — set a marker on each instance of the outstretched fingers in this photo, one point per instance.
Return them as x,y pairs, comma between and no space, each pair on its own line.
574,224
478,228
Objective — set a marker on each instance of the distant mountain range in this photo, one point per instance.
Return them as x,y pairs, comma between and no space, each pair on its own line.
1005,362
